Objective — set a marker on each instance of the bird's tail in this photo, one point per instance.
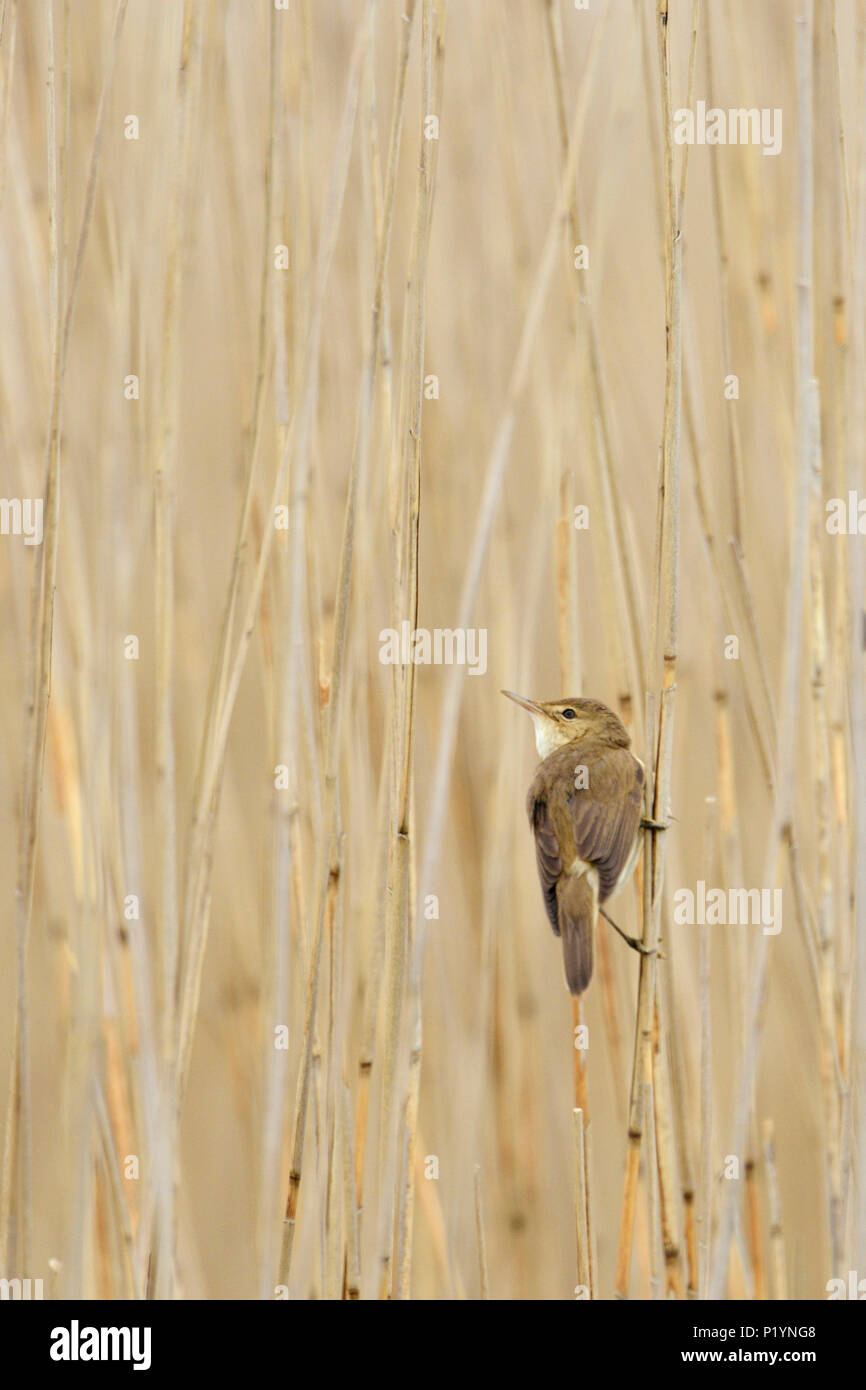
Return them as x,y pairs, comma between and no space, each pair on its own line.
577,897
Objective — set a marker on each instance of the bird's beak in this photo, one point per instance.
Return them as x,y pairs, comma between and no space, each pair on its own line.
523,702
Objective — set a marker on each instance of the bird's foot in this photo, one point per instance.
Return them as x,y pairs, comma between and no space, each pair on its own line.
637,945
633,941
653,824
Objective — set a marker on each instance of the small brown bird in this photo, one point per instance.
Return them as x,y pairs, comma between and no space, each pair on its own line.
584,808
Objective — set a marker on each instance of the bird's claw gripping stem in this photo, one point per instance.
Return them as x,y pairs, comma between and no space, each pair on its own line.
633,941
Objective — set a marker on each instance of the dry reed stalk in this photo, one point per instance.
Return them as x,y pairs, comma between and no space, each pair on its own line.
665,633
828,619
374,932
779,1282
753,1225
122,1226
805,911
856,666
581,1204
480,1236
8,30
285,807
655,1239
831,1069
758,723
143,1003
351,1208
736,962
412,1105
839,622
333,1213
18,1125
18,1137
373,982
334,1235
682,1116
672,1012
705,1203
735,452
163,486
397,921
664,1144
782,810
168,935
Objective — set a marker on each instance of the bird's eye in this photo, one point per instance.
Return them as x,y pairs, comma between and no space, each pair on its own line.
569,714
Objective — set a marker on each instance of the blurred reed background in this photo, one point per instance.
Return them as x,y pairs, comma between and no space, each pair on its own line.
246,821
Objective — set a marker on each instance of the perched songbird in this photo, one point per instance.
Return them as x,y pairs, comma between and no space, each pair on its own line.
584,808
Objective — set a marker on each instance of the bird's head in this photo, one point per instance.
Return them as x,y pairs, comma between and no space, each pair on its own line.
558,722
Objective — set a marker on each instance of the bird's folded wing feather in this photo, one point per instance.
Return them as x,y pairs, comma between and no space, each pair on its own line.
604,814
546,855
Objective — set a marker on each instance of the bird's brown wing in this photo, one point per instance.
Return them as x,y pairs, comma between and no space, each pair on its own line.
571,901
546,851
606,814
602,817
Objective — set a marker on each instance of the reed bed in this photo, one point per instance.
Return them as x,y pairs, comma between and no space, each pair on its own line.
326,320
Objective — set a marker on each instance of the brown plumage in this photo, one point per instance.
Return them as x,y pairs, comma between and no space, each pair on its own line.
584,807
